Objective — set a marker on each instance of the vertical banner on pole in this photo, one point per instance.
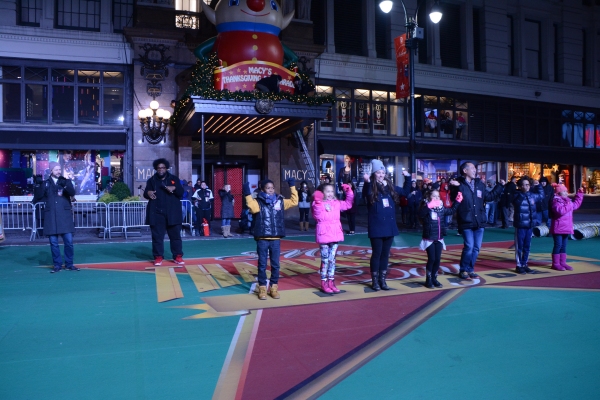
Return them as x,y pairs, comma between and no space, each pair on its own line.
402,80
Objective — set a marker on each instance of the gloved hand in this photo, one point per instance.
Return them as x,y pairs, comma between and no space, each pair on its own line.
61,181
39,179
459,197
246,189
434,204
346,188
318,195
291,181
580,190
405,173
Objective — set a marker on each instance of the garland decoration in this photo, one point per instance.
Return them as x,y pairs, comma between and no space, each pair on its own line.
202,85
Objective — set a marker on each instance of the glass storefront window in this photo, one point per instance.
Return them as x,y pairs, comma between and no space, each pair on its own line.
36,103
362,94
462,104
323,90
113,106
36,74
113,78
394,99
462,125
10,93
361,120
397,121
9,72
344,109
379,95
379,119
89,105
326,124
63,75
63,104
589,136
447,124
88,76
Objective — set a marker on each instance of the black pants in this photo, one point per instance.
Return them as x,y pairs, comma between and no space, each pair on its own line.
434,255
201,214
380,253
351,221
506,216
158,231
303,214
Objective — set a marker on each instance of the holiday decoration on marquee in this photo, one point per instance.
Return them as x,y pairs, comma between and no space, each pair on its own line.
248,45
246,61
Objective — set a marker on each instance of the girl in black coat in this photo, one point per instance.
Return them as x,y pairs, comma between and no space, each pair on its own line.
432,215
227,213
381,197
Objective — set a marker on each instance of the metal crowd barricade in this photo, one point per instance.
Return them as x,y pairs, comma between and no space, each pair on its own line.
18,216
90,215
112,217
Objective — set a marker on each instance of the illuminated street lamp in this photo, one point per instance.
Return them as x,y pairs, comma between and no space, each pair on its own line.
154,122
435,15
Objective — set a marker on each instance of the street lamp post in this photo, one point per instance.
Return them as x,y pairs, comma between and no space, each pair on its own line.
411,44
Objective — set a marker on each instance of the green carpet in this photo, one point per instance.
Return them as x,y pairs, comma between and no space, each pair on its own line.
491,343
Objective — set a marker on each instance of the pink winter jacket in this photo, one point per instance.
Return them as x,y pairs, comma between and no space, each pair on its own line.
562,220
329,227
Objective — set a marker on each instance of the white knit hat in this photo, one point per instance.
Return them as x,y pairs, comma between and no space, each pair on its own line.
376,165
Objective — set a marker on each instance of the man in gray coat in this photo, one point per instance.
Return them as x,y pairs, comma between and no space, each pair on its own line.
56,192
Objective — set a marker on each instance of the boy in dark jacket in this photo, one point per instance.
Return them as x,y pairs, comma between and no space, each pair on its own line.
525,219
432,214
269,227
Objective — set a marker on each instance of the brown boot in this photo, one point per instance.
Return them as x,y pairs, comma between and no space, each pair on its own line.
273,291
301,226
262,292
229,231
306,226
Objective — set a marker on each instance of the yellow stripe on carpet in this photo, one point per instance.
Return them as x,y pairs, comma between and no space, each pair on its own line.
167,284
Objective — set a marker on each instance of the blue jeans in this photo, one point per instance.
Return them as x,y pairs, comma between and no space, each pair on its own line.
522,245
55,249
270,249
560,244
472,243
545,218
490,212
226,222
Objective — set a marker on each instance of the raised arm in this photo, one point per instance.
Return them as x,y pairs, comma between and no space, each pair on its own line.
347,204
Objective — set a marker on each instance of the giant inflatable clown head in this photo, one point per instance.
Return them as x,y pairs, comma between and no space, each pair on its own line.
248,30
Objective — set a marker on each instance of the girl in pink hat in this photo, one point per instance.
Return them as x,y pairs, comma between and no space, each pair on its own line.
562,224
326,211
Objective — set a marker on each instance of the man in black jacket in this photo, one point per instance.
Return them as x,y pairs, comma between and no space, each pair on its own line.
543,206
506,201
163,213
56,192
470,215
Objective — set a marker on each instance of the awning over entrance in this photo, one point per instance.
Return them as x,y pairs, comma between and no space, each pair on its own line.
240,119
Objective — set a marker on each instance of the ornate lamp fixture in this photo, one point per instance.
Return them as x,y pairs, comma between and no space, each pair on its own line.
154,122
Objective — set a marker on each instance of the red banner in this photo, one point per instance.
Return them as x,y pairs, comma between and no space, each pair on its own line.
243,76
402,79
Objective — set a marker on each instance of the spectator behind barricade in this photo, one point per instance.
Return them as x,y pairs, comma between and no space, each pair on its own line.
204,198
506,202
490,206
304,201
352,211
56,192
414,198
545,204
227,213
163,212
186,206
198,185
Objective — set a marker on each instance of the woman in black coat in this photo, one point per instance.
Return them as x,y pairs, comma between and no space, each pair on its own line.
227,213
432,215
381,197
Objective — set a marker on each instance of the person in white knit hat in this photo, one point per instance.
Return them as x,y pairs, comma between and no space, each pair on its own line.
381,197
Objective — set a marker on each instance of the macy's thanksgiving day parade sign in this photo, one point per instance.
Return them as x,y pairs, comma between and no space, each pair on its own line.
248,48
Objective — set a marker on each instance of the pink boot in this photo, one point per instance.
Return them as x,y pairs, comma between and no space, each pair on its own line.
332,286
563,262
556,262
325,287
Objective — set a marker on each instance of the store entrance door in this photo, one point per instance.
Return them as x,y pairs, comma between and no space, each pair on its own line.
227,175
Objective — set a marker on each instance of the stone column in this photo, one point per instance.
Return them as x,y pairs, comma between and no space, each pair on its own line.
468,57
369,13
330,41
495,38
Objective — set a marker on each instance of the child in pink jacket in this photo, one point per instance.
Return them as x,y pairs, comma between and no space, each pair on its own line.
326,211
561,225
